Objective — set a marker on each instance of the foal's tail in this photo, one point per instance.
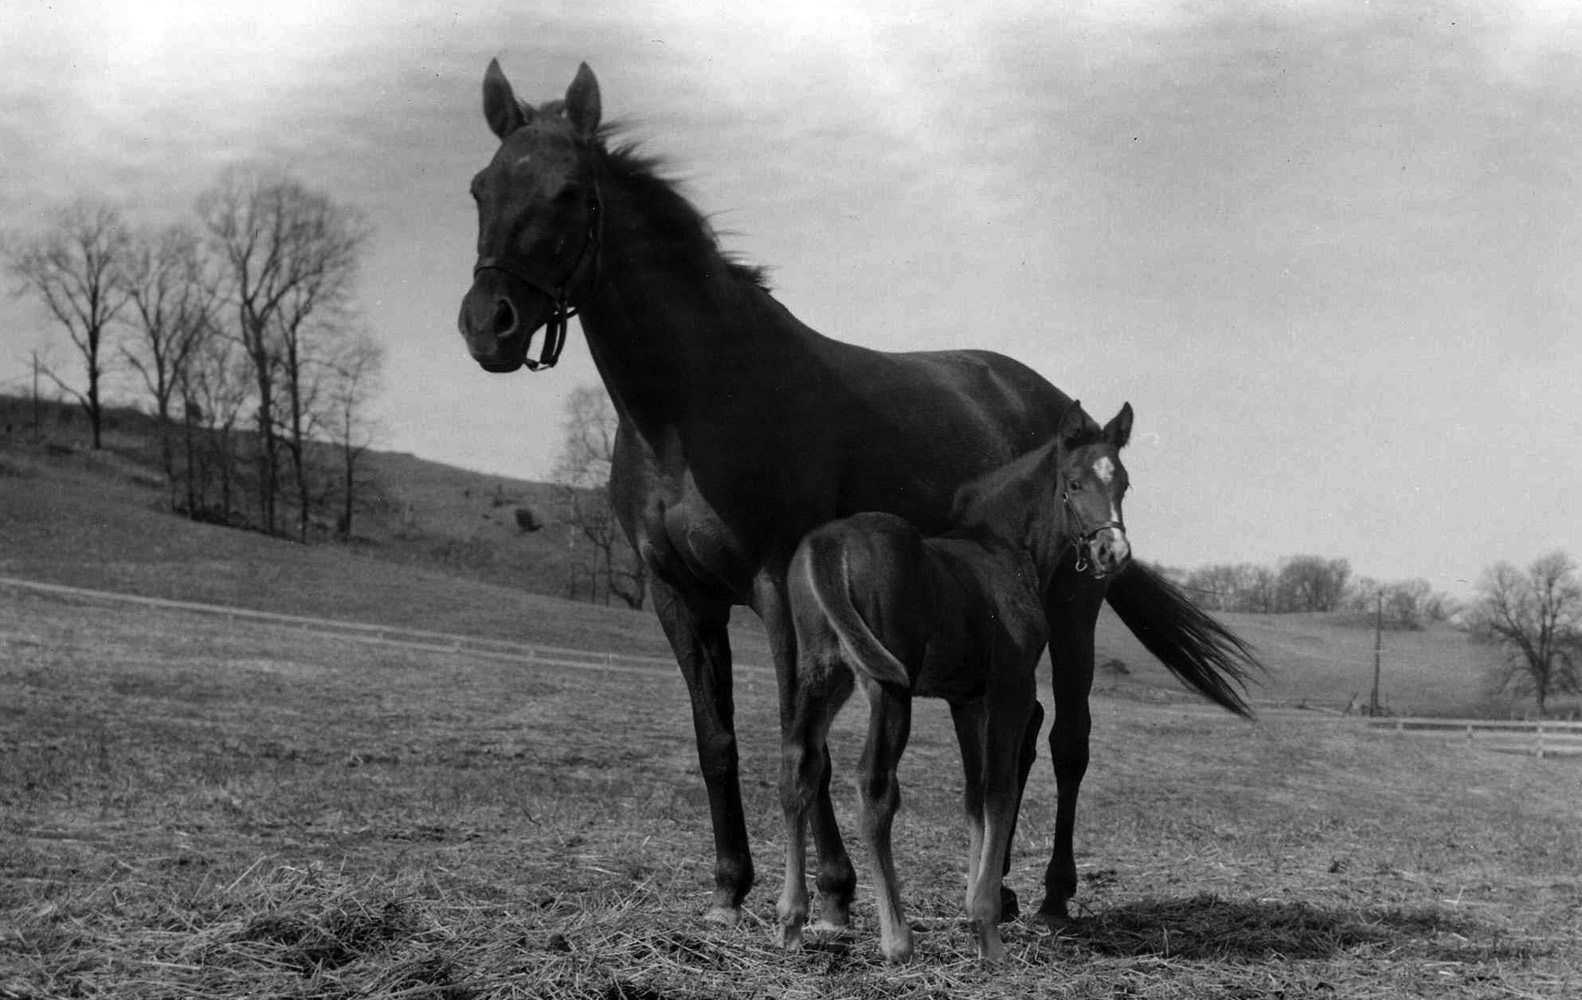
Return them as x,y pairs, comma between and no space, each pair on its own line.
828,577
1201,652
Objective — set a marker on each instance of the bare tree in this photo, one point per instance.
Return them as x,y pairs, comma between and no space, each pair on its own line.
290,255
75,269
599,547
355,375
215,391
1537,617
172,302
1311,583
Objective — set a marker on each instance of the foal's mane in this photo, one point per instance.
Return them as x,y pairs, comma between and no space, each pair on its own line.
1001,502
668,212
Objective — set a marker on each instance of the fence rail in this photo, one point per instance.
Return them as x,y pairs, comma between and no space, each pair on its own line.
1538,737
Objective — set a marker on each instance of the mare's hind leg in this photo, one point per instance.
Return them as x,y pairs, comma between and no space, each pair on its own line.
697,630
1071,625
889,725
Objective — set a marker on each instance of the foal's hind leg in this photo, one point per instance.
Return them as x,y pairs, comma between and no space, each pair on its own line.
804,765
1071,627
889,724
837,880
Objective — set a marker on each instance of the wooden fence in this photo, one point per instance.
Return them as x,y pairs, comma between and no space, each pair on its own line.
1537,737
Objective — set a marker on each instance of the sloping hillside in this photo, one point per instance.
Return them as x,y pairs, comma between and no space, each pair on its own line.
443,552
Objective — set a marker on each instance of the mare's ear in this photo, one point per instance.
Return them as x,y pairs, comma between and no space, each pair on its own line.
500,108
1119,430
582,102
1072,423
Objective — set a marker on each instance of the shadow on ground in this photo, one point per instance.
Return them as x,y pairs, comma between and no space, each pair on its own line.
1208,927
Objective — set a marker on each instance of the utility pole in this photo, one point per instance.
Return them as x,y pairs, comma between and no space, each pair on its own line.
1378,645
35,396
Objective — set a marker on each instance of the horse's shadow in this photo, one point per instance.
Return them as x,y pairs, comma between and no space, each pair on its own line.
1210,928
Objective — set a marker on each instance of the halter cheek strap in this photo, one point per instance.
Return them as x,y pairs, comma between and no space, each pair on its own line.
558,293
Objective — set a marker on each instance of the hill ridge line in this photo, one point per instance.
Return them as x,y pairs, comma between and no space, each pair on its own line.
395,635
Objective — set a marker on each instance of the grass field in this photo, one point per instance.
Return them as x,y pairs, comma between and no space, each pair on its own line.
200,808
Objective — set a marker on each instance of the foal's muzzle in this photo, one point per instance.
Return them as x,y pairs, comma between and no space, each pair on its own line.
1103,551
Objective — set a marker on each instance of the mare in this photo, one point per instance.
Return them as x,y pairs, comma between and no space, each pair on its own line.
957,616
740,429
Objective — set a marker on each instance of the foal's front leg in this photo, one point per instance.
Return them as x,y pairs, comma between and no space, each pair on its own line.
1007,720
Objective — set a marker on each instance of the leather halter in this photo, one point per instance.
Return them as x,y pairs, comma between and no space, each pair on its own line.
1085,535
558,293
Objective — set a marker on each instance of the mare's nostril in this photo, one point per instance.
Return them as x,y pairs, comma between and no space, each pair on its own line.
504,319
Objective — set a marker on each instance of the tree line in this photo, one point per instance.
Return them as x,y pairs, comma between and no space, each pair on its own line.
239,331
1312,583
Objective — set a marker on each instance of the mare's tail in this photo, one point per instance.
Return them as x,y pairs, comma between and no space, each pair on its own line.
827,575
1202,653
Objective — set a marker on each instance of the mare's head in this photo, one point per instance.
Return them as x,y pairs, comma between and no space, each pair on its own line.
1090,484
538,222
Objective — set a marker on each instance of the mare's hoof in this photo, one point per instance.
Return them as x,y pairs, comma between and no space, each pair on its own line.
728,916
1052,919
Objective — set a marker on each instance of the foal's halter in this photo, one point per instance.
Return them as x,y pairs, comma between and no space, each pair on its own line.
559,293
1085,535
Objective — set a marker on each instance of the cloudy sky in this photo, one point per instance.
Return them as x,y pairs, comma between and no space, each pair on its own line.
1330,251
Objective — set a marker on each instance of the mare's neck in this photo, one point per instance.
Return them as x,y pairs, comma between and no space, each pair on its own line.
668,312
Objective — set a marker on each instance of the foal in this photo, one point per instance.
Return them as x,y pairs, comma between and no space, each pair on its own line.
956,616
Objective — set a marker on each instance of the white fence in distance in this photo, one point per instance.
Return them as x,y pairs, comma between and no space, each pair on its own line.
1535,737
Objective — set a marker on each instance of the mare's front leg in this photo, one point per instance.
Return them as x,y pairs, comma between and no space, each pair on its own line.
837,879
1071,624
697,629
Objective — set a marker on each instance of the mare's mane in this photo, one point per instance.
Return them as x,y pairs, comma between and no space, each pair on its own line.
667,211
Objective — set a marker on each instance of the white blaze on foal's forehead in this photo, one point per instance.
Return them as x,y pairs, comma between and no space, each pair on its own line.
1104,469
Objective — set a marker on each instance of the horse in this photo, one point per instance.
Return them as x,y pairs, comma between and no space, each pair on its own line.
957,616
740,429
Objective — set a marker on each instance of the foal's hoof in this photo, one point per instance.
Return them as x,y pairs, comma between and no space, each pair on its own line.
1010,909
834,916
790,937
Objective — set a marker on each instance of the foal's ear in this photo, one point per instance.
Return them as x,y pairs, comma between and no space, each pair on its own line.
1073,422
500,108
1119,430
582,102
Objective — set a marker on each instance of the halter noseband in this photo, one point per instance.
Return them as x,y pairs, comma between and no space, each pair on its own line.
1085,534
558,293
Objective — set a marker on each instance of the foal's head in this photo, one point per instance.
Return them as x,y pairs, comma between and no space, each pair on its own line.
538,221
1090,483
